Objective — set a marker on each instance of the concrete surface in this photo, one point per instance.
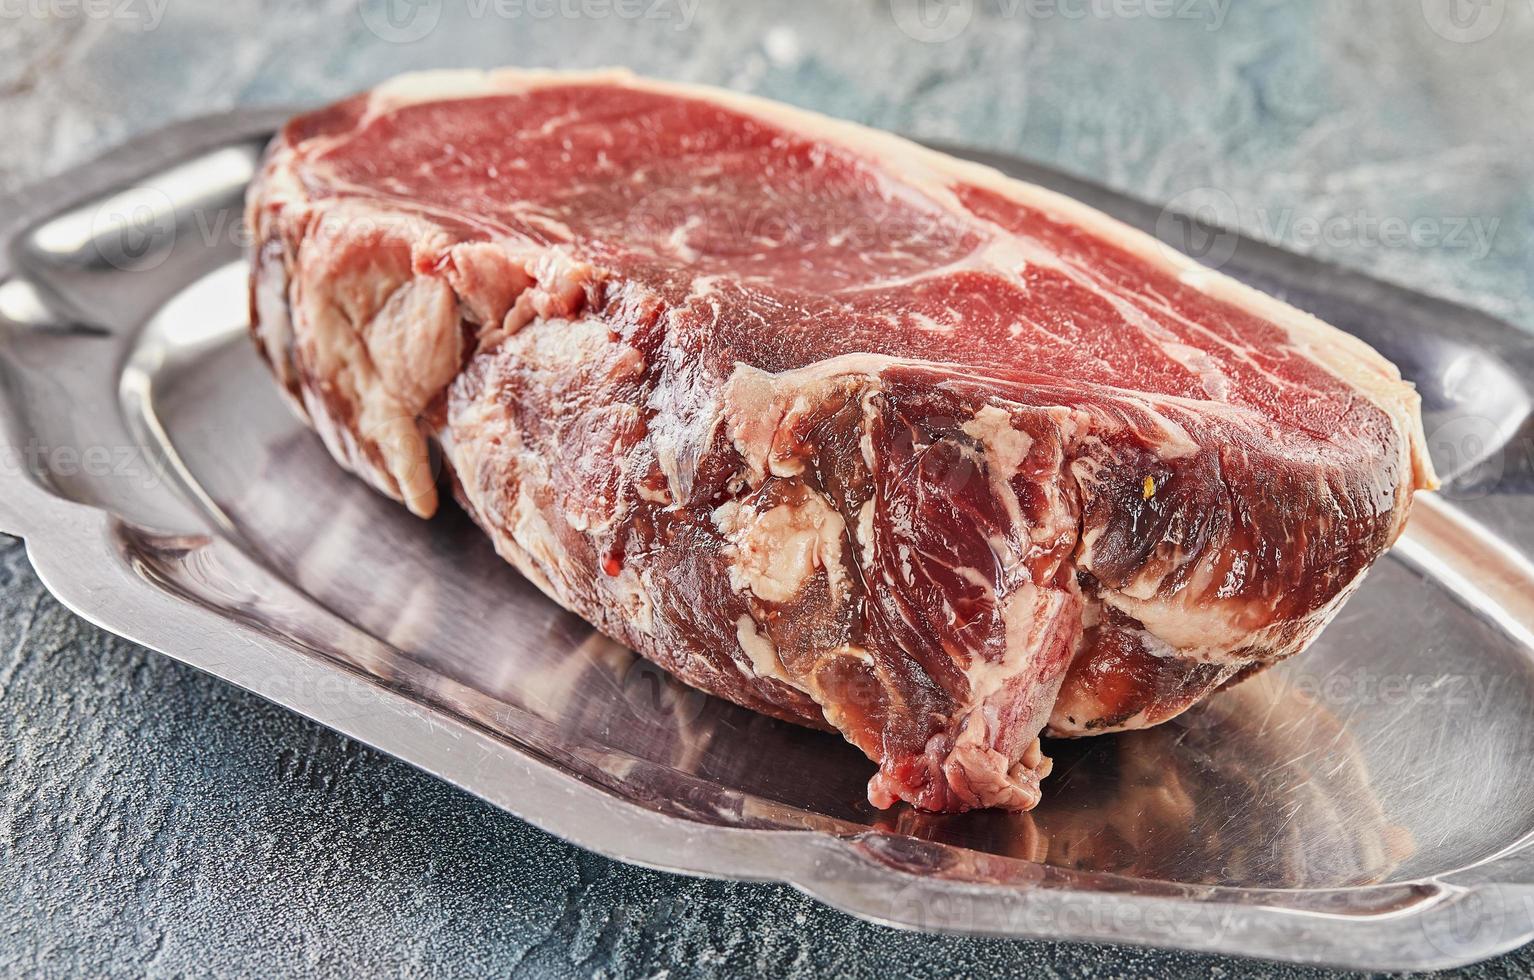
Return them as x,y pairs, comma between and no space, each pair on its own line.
155,821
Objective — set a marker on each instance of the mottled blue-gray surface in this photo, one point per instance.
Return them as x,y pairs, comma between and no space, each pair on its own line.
156,821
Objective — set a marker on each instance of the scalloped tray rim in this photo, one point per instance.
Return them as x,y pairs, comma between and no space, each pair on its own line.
71,545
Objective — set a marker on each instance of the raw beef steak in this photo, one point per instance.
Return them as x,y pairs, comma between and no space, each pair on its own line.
841,429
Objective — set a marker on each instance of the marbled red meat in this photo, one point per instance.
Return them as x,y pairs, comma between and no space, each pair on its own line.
825,423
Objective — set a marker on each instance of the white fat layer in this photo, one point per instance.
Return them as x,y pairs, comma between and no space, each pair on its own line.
1006,446
631,590
866,532
1211,630
488,278
756,406
759,650
773,553
386,342
1005,450
681,427
1021,613
269,293
415,342
1030,614
750,396
652,494
531,530
486,507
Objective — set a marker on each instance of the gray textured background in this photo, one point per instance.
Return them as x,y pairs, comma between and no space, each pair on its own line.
156,821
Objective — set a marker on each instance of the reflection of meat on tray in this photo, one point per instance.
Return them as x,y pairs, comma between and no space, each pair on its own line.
844,430
1260,786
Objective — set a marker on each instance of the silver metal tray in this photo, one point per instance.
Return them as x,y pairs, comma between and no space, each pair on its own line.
1370,804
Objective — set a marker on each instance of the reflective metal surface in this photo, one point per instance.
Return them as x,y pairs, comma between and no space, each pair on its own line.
1369,804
